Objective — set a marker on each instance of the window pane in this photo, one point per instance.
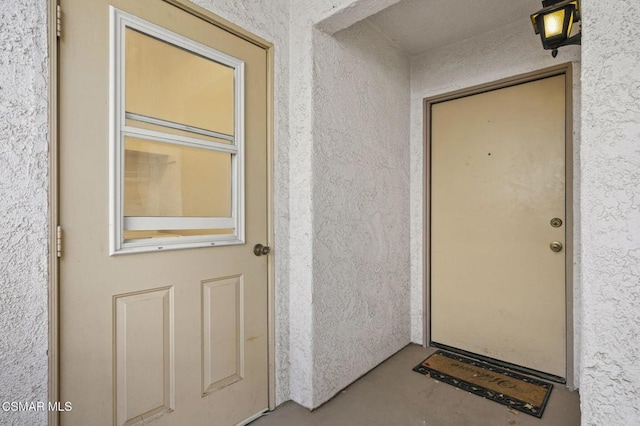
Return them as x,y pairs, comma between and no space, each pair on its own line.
166,82
163,179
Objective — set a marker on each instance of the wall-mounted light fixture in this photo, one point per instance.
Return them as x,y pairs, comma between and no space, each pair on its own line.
554,23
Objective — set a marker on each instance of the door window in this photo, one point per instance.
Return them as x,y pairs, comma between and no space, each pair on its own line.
177,141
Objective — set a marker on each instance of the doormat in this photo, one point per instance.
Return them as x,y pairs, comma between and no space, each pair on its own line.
514,390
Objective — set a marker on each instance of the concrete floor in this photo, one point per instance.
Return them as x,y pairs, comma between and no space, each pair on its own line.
393,394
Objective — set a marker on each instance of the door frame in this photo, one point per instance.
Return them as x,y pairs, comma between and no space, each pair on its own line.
563,69
53,352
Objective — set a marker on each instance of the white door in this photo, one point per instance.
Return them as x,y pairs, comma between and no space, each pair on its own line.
163,195
497,207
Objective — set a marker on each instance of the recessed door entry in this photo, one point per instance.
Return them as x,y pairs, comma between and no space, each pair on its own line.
163,146
497,264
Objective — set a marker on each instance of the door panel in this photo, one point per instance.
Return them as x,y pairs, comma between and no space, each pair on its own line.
498,178
144,348
177,336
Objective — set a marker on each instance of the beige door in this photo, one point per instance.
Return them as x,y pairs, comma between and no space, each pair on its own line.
497,181
163,146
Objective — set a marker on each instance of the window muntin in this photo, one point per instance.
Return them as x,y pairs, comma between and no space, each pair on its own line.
147,123
177,141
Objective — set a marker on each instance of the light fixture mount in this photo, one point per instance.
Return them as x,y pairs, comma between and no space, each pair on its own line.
554,23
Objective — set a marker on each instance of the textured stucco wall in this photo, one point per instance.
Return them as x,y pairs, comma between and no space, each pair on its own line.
23,207
610,377
306,17
361,205
485,58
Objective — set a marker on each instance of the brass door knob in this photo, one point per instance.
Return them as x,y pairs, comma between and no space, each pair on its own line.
556,246
260,250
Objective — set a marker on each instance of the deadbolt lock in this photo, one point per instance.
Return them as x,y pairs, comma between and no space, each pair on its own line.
556,246
556,222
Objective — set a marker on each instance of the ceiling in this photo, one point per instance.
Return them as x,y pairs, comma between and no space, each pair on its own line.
418,26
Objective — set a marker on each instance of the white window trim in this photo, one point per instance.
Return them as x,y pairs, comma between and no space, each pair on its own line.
138,223
119,21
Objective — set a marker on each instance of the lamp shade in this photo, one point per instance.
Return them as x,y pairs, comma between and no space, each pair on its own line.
554,23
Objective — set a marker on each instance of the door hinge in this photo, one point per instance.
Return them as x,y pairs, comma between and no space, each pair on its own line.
58,21
59,241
